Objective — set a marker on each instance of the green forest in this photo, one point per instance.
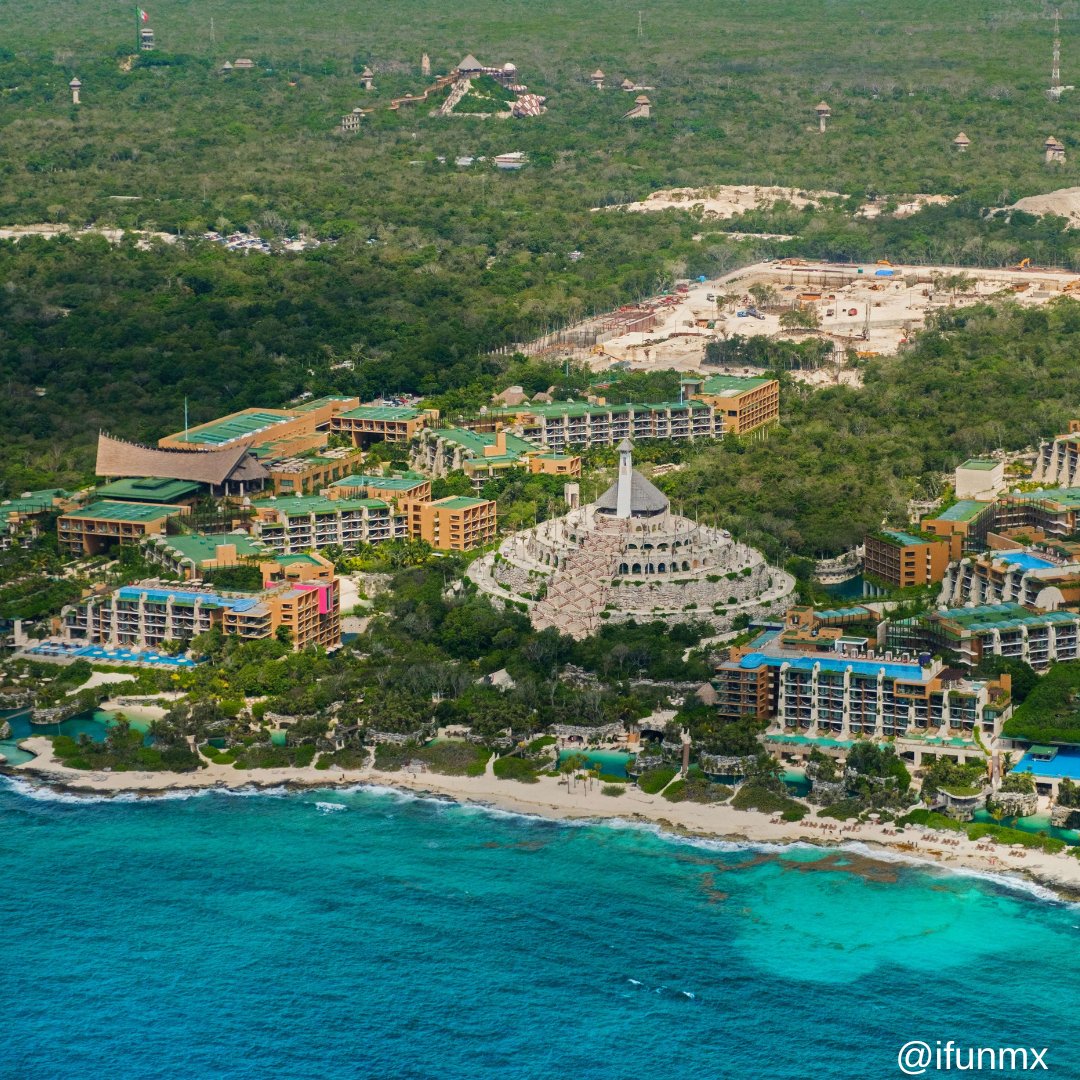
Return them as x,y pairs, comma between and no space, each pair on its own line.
432,268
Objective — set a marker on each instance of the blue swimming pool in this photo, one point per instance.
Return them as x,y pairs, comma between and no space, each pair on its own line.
1023,560
1065,763
114,656
910,672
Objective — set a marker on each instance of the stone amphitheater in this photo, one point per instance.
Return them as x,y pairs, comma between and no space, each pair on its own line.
627,556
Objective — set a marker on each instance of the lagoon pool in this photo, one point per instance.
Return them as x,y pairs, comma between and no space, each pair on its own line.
611,762
1037,823
94,723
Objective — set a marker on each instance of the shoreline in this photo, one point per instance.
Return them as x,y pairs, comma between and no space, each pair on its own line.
550,798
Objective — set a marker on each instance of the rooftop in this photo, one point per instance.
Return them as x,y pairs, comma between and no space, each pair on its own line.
582,408
987,617
293,560
384,483
198,548
897,537
228,428
318,403
964,510
150,489
382,412
30,502
730,385
477,443
459,502
303,505
1066,498
106,510
983,464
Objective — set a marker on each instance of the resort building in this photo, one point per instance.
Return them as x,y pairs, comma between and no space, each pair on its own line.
456,523
746,403
1054,513
1039,638
96,528
979,478
408,485
311,471
1045,576
295,524
367,424
483,456
565,424
555,465
626,556
1058,461
829,696
231,471
191,555
902,560
146,615
20,518
250,427
968,519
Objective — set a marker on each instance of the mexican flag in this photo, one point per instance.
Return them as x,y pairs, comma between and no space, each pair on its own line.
143,15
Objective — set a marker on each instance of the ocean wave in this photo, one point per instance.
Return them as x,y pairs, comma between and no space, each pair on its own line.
42,792
330,807
993,877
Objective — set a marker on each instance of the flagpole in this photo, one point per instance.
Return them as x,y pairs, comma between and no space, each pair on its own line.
138,15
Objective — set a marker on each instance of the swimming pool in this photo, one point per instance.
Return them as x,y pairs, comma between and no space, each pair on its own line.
1023,560
610,762
115,656
910,672
1065,763
812,740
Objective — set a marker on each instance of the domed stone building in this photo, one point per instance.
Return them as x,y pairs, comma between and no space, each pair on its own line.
627,556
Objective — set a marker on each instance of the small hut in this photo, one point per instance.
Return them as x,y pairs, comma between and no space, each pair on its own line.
823,113
961,143
75,86
597,78
367,79
641,110
1055,151
628,86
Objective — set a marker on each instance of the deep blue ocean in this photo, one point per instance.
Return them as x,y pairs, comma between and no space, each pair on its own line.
334,935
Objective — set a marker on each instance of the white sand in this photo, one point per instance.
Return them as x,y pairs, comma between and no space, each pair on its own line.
550,798
102,678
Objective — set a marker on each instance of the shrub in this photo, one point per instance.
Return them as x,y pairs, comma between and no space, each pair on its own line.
655,780
612,789
757,796
515,768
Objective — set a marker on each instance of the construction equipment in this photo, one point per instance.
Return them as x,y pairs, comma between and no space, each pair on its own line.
1023,264
883,262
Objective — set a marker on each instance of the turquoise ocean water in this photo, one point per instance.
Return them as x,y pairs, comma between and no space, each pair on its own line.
366,934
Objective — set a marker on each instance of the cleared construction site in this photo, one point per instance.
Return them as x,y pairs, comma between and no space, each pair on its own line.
868,309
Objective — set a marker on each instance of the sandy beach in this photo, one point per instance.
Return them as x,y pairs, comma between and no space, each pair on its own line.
550,798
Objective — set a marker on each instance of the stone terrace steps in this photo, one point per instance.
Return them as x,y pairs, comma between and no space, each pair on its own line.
579,589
